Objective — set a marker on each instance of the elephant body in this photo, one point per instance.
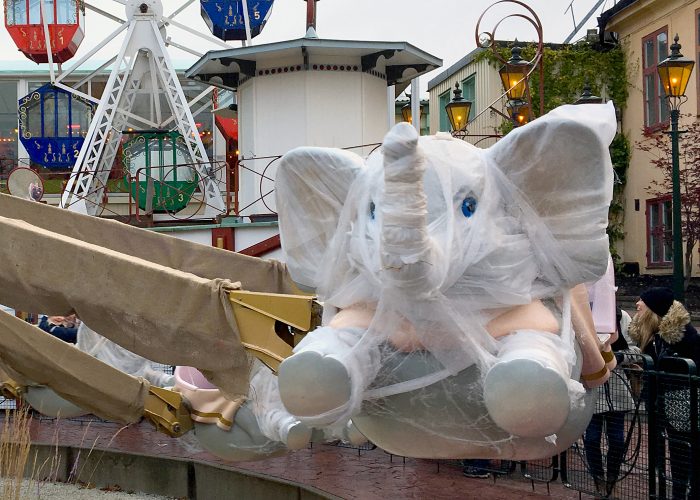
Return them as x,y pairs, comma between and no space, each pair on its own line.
434,260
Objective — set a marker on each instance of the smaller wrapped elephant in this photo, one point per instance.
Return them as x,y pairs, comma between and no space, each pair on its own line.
446,273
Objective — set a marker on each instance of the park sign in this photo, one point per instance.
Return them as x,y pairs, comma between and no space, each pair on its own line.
226,18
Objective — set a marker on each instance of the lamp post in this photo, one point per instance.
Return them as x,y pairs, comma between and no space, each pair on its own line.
674,72
514,74
516,71
458,110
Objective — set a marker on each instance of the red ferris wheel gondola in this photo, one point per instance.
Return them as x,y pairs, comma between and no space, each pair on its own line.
65,20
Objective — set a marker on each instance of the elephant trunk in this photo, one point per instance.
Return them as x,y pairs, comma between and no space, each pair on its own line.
409,255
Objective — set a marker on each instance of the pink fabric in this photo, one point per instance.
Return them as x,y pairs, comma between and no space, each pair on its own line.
602,296
193,376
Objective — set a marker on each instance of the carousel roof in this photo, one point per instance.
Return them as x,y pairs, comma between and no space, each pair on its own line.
230,67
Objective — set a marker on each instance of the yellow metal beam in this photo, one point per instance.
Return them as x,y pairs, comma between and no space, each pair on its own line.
270,324
167,411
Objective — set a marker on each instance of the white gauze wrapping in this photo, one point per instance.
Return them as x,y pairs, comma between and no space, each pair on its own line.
116,356
272,417
541,196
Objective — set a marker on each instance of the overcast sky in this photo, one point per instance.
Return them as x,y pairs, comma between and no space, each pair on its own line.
443,28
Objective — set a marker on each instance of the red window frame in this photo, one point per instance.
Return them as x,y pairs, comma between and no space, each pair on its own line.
659,231
654,96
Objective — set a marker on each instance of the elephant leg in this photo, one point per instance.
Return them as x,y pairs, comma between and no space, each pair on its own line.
526,391
271,417
322,374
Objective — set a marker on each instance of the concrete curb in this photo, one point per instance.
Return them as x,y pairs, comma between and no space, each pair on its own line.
157,475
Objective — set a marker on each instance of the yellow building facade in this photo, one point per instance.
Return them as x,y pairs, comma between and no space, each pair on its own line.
646,29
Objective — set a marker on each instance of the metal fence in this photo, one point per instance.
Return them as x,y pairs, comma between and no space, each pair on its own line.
643,440
611,459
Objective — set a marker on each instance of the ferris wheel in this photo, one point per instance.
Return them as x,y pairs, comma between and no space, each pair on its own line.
142,93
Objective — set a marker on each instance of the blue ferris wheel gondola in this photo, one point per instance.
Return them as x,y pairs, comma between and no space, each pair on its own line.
226,21
52,126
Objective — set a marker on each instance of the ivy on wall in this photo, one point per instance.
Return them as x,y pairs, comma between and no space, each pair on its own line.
567,68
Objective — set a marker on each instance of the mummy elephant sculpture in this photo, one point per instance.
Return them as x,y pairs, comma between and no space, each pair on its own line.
454,323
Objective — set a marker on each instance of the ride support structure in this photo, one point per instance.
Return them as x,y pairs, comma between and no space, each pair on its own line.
142,63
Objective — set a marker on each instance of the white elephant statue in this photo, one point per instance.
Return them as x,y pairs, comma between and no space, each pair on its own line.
446,273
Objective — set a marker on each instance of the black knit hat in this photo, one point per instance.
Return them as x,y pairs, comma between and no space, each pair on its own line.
658,298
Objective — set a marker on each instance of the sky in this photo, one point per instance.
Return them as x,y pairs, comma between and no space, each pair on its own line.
443,28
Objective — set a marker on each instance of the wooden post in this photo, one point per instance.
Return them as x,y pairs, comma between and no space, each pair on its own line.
311,14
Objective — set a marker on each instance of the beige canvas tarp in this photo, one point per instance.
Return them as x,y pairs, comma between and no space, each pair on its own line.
77,377
158,312
256,275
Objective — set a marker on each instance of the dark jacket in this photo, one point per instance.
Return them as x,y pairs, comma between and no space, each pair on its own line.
64,333
676,336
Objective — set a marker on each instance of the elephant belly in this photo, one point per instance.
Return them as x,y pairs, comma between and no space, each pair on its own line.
44,400
448,419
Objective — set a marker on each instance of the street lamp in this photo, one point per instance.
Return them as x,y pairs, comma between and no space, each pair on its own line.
407,113
674,72
514,75
458,110
519,112
587,96
514,72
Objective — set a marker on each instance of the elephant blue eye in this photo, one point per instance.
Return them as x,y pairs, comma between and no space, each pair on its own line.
371,210
469,206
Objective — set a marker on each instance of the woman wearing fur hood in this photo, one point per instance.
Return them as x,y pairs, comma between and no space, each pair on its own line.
662,329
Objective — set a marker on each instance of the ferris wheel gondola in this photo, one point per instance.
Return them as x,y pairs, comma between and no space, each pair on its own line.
53,124
63,29
160,174
227,19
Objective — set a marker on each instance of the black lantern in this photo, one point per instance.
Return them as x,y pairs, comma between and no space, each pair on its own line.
587,96
519,112
514,75
407,112
458,110
675,71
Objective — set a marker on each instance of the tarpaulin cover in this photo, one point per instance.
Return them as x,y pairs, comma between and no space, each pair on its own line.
78,377
157,296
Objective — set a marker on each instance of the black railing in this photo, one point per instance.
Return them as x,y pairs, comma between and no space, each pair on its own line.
643,441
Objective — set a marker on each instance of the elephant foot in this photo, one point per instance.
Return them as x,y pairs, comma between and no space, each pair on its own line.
311,384
526,398
353,435
298,437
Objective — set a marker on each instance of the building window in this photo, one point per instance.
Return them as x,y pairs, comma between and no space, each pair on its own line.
659,232
469,94
445,98
654,50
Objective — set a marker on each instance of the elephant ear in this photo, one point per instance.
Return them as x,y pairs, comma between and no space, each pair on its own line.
560,164
311,186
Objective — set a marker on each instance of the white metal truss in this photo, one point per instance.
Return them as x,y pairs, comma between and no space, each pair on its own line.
186,125
142,53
